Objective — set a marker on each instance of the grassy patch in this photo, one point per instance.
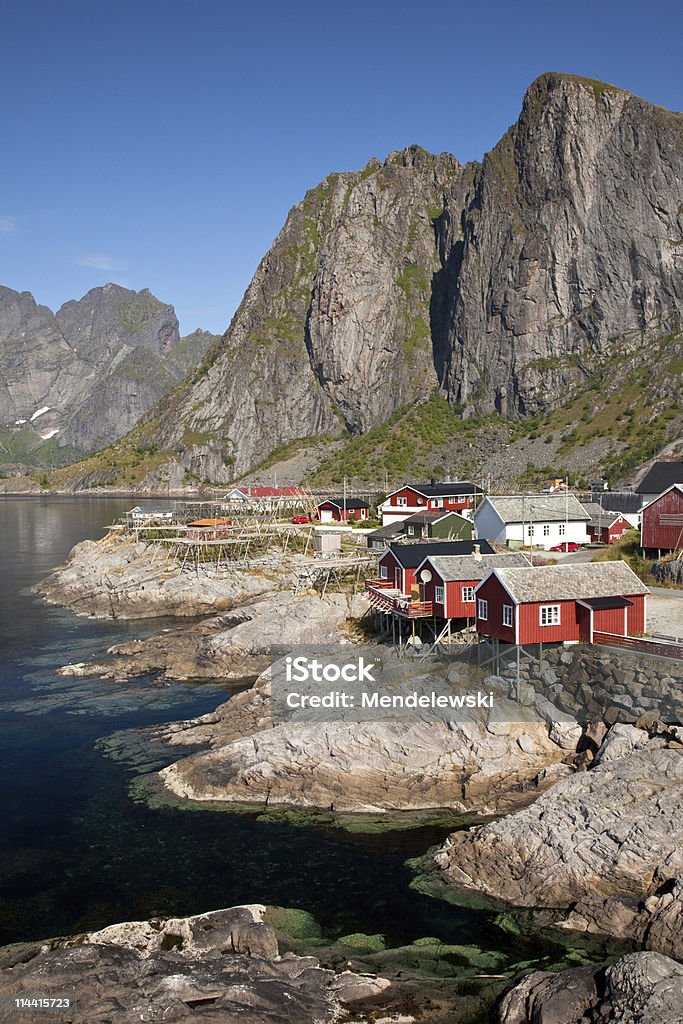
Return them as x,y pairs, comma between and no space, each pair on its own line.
628,550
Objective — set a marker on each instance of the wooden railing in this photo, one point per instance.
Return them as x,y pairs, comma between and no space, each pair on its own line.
637,643
418,608
395,602
380,583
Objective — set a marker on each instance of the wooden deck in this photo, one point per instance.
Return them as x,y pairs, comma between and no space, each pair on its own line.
384,597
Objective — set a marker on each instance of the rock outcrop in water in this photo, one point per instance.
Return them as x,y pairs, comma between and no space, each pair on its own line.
93,368
506,284
223,966
602,850
116,578
641,988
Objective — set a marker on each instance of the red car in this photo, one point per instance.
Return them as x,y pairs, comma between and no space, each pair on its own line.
566,545
301,519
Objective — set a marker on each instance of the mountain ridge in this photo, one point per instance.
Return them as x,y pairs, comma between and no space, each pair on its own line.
84,375
509,286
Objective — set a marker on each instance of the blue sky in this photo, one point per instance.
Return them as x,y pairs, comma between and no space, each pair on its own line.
160,143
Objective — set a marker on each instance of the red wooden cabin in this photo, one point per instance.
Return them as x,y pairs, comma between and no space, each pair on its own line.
557,603
448,581
662,521
399,563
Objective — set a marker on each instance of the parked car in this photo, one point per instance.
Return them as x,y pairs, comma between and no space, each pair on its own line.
301,519
566,545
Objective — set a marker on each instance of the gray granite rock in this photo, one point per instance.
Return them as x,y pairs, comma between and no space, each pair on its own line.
640,988
223,966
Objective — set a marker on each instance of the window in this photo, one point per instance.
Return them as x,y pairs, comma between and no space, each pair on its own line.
383,572
411,531
550,614
437,503
507,614
468,593
482,608
438,595
530,530
561,529
401,501
546,531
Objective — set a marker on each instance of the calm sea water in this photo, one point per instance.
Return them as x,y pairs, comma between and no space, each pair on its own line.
77,853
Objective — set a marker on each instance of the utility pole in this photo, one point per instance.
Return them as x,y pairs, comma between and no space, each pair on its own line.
566,510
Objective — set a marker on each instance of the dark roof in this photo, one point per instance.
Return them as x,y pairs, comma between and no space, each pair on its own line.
349,503
619,501
410,555
598,603
432,515
661,477
443,490
386,533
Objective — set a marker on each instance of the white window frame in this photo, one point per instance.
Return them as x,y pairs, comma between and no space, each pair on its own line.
411,531
401,501
482,609
437,502
546,530
552,615
507,614
439,595
530,530
560,529
468,591
384,572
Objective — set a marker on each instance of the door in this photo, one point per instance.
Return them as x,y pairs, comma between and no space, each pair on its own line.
585,617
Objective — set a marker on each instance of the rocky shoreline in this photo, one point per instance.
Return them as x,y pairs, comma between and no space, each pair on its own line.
118,577
222,966
593,841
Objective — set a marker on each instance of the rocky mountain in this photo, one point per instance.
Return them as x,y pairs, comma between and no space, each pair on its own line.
84,376
506,284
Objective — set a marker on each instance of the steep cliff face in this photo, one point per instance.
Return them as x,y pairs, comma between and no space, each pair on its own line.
334,330
35,358
505,284
570,250
93,368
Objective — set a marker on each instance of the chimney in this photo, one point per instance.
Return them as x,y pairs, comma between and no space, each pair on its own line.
433,481
476,552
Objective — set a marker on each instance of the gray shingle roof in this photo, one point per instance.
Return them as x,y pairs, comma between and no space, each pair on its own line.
466,567
539,508
571,582
600,517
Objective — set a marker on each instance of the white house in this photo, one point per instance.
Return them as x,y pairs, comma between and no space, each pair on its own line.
541,520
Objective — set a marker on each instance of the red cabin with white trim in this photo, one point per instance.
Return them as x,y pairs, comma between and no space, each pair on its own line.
449,581
412,498
400,562
662,521
558,603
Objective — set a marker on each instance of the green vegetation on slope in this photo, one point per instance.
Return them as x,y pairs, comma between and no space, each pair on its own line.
24,447
404,444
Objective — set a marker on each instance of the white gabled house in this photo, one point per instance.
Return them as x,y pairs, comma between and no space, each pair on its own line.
543,520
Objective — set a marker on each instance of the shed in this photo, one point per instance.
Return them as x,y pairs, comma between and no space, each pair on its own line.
341,510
